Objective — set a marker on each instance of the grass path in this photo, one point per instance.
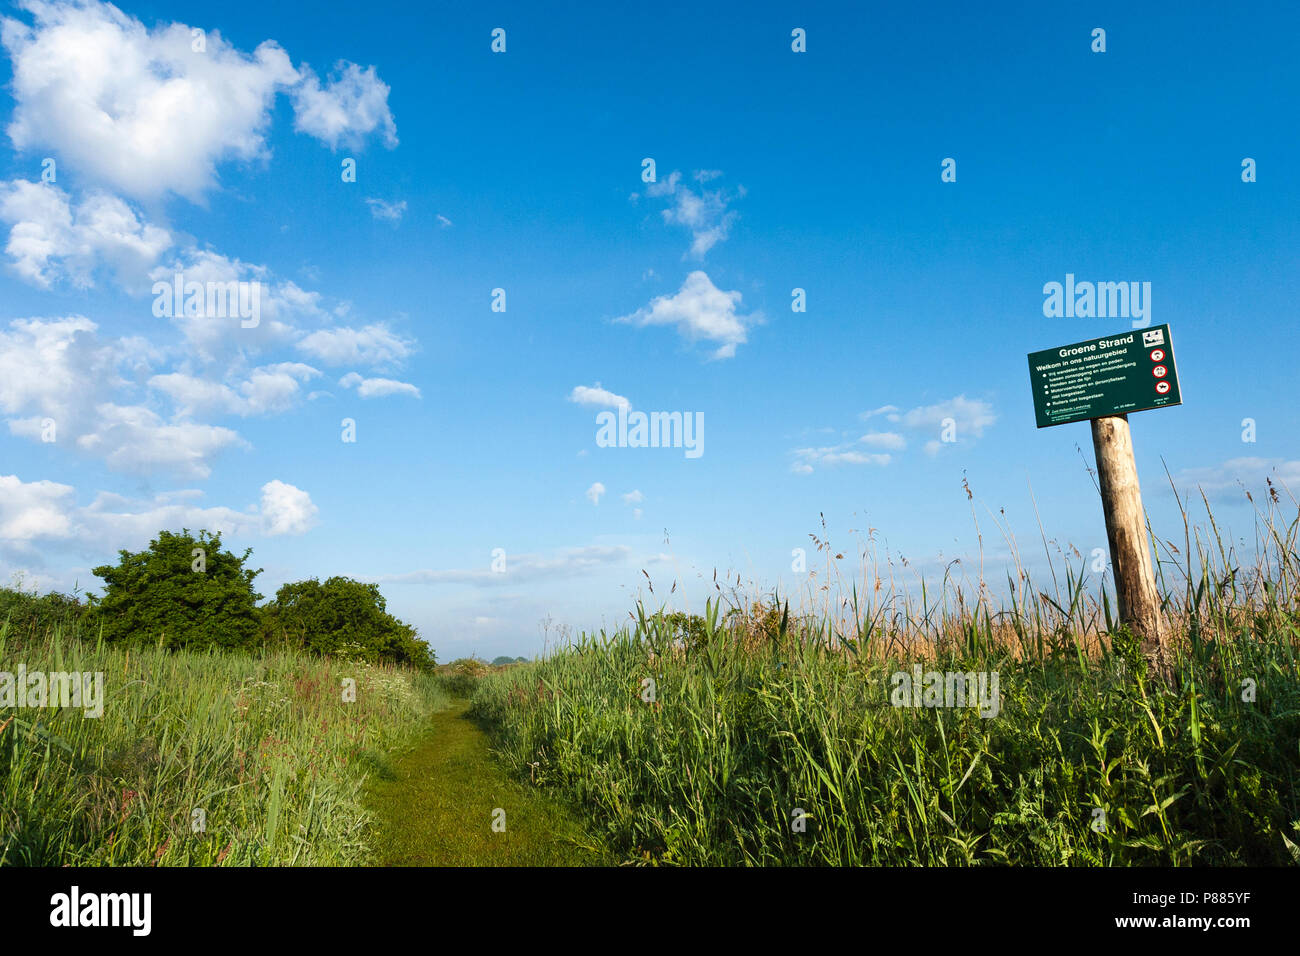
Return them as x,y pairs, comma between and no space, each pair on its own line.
434,806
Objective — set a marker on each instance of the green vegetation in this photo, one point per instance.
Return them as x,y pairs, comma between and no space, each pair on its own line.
182,591
755,716
264,745
342,617
230,734
185,591
435,807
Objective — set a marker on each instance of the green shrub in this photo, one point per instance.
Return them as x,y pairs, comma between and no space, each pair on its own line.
182,591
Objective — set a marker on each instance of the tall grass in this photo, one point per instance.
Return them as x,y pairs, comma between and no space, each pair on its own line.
772,739
265,746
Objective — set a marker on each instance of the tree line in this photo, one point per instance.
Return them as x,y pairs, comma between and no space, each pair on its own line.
187,591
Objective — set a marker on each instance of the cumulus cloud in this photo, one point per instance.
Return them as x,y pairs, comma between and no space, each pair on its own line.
135,439
145,112
353,104
633,497
371,345
378,387
594,493
58,372
286,509
51,238
45,511
36,509
699,310
54,368
266,390
600,397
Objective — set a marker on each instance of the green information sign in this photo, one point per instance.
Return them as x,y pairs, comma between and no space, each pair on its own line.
1114,375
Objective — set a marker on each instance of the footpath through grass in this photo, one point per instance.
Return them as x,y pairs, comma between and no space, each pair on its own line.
434,806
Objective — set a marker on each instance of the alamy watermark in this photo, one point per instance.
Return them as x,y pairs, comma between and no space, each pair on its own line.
209,300
651,430
1101,300
129,910
79,689
947,689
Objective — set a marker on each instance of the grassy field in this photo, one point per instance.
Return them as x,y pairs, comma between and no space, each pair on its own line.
264,746
771,737
757,735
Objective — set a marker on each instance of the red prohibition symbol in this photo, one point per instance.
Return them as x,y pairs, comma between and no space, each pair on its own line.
1160,371
1162,387
1157,355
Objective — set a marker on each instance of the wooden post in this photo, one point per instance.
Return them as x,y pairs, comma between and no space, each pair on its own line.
1130,555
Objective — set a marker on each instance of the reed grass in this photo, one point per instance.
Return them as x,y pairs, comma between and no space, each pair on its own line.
773,714
264,745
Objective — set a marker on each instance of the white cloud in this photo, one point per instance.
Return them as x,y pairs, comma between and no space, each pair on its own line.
891,440
50,239
890,411
142,111
135,439
378,387
54,368
225,338
633,497
286,509
387,211
353,104
594,493
47,511
135,108
971,416
112,521
266,390
849,453
444,221
700,310
372,345
37,509
704,213
600,397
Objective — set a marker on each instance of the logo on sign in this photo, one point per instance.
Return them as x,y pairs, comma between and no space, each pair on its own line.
1153,337
1162,387
1158,355
1160,371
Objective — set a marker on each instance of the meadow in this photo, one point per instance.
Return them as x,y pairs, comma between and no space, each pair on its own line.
758,734
200,758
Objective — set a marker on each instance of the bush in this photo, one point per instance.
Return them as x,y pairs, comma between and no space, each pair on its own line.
182,591
343,618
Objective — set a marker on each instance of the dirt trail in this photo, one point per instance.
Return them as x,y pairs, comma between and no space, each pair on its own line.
436,807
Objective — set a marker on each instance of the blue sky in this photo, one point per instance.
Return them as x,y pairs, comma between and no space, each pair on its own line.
522,171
